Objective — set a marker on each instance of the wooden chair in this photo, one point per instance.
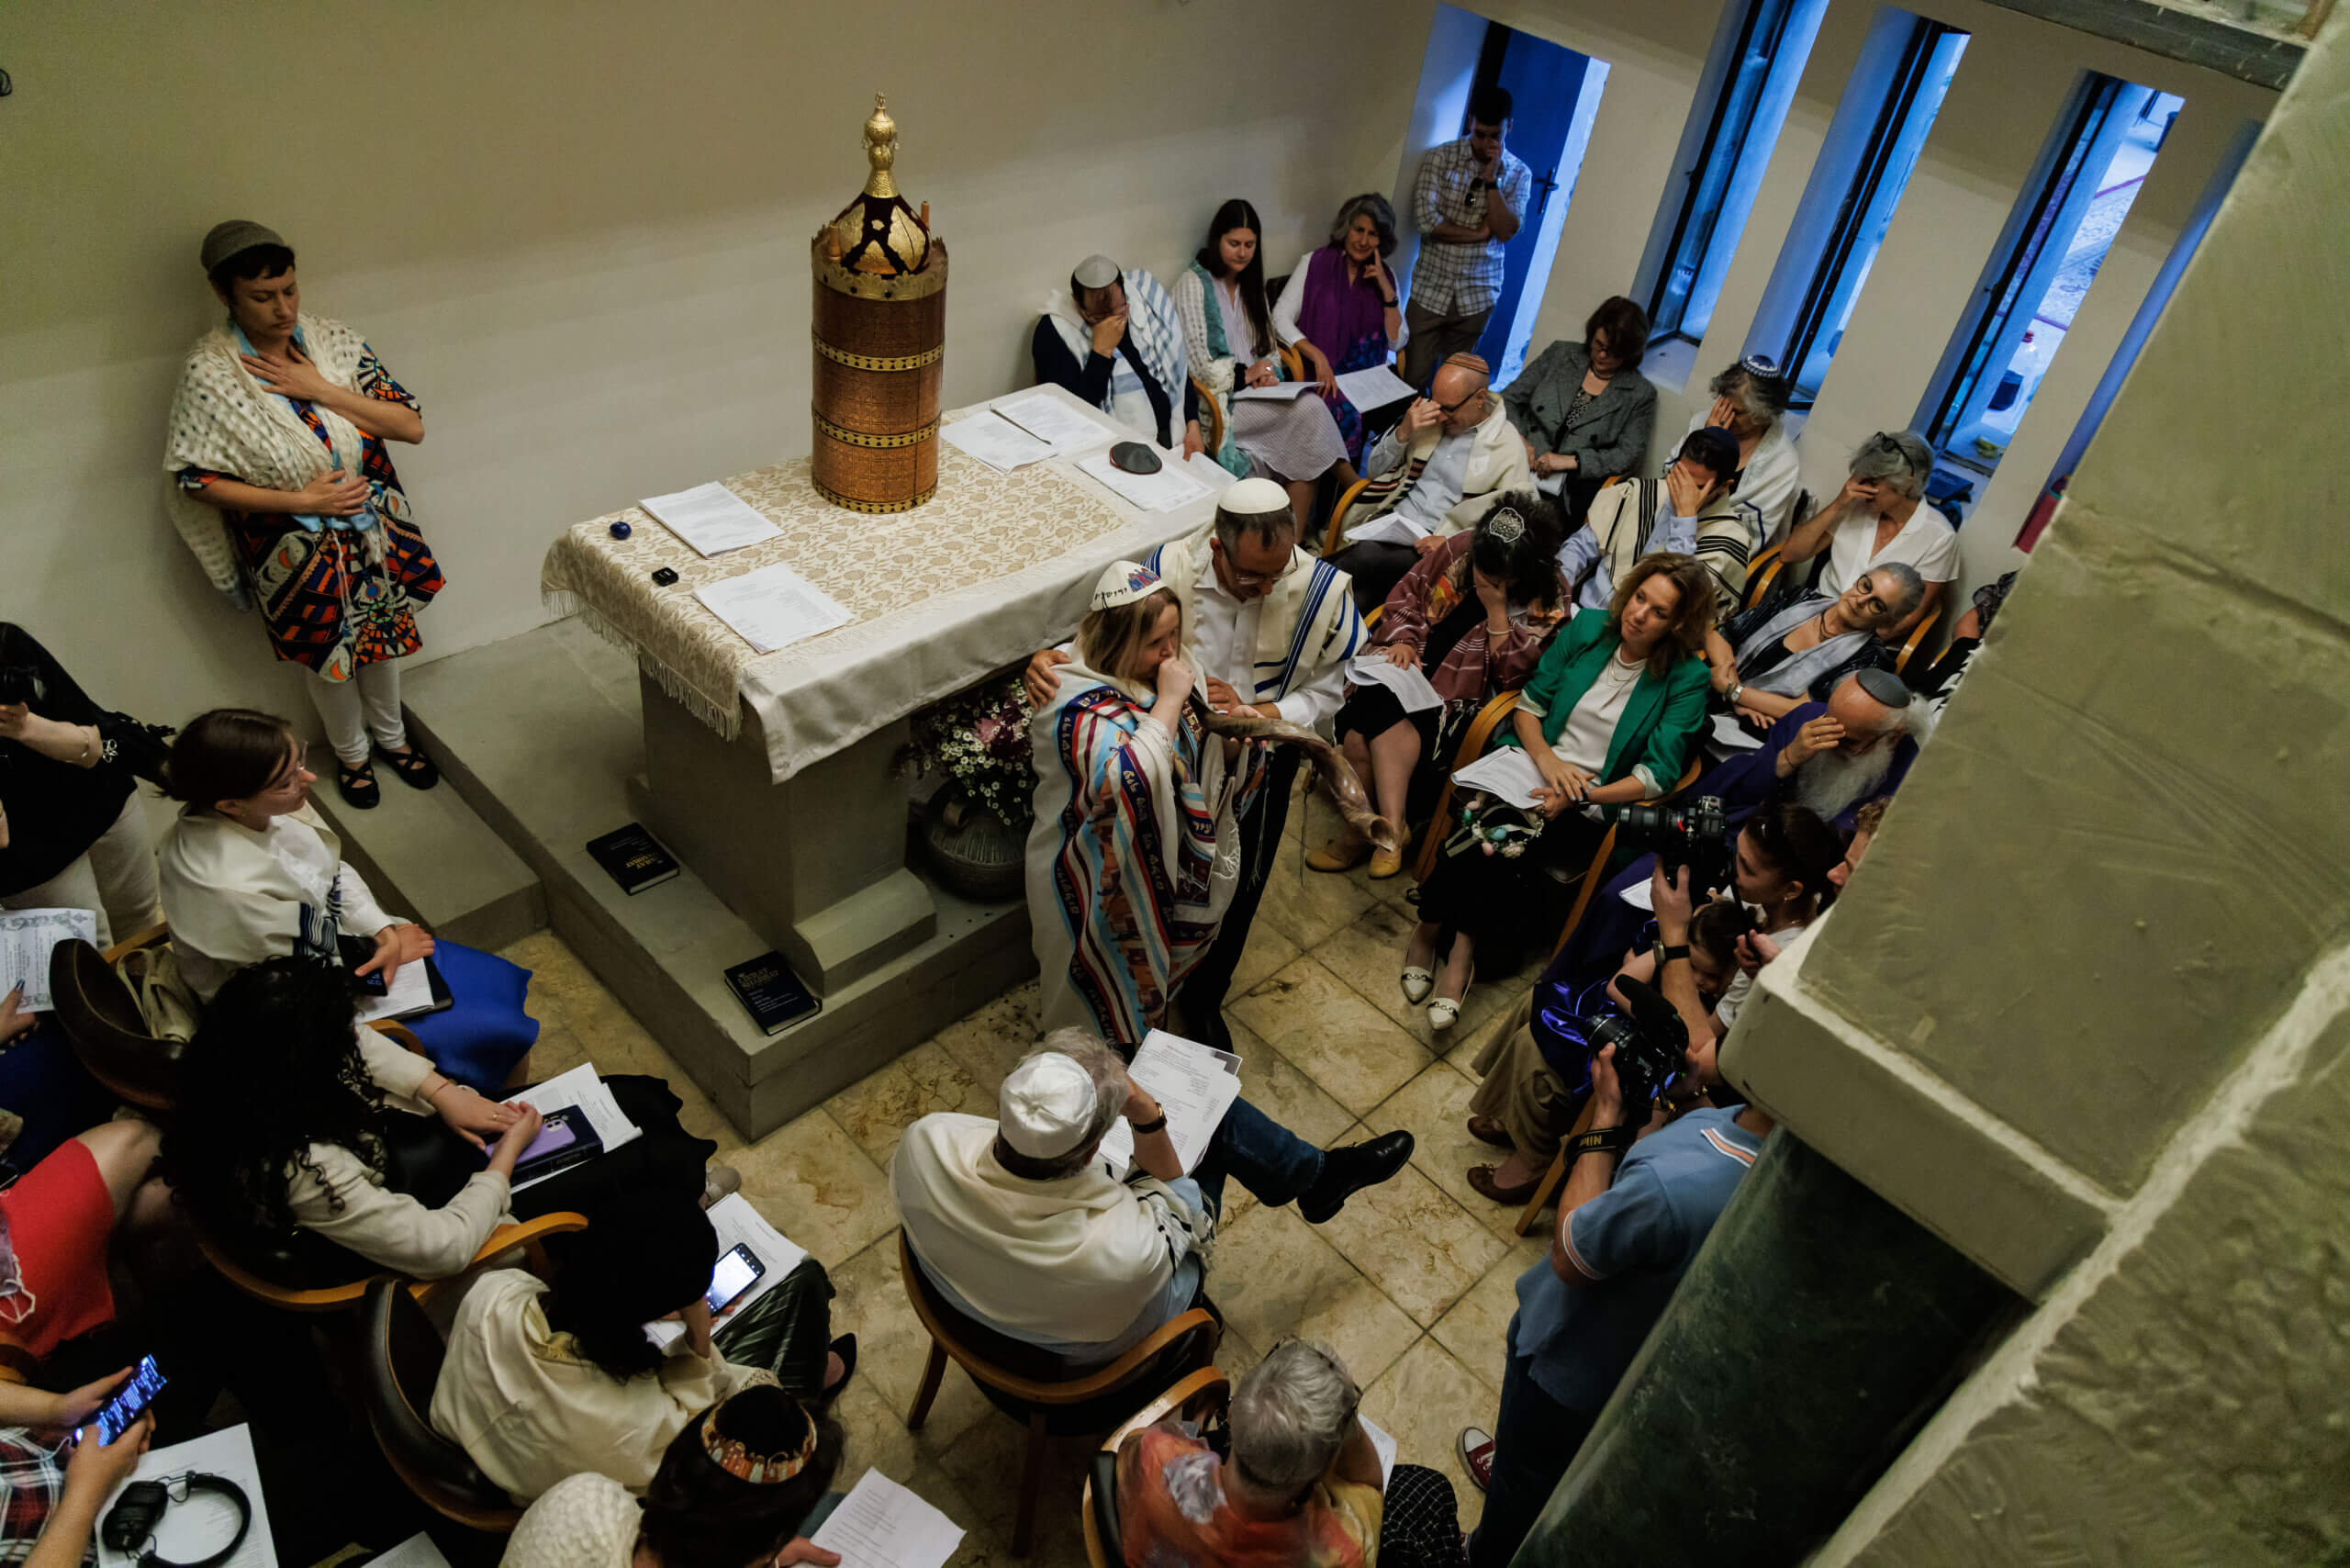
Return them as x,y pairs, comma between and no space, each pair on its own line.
1203,1397
1336,532
399,1360
1190,1338
1474,740
240,1274
1761,573
101,1022
1916,638
1212,416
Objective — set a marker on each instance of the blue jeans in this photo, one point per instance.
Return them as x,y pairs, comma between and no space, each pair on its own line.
1263,1156
1535,1439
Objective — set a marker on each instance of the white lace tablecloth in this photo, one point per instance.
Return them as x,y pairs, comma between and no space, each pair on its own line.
991,568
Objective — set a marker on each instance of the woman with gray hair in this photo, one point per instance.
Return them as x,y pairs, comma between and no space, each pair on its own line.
1302,1484
1750,400
1881,516
1769,660
1020,1226
1342,308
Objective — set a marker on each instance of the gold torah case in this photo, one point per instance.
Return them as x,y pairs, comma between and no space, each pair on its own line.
879,325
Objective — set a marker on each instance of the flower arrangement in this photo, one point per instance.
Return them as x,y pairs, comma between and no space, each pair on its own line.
978,739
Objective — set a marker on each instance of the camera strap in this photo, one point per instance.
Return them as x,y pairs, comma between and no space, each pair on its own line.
1614,1140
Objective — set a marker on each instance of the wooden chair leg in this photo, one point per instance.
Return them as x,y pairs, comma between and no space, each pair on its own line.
931,1375
1032,1481
1544,1191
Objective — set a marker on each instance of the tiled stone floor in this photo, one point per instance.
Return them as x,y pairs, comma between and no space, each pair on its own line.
1411,1281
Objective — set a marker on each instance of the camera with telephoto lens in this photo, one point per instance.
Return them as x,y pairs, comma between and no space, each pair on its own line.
1651,1044
1682,833
20,683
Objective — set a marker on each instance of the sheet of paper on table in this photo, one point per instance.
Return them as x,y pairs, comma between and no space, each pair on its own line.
995,441
410,992
1194,1085
710,517
1052,421
1411,687
418,1552
1730,732
1506,771
1389,528
1279,392
773,607
581,1087
26,938
1171,487
1383,1444
740,1225
1375,388
193,1530
882,1525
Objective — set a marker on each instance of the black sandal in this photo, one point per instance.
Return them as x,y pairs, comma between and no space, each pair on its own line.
415,769
357,786
845,1349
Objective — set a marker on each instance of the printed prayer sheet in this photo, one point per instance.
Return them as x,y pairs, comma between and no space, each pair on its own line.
1506,772
409,993
193,1530
710,517
1052,421
1410,686
581,1087
26,938
995,441
772,607
1163,491
1279,392
882,1525
738,1223
1382,1444
1387,529
1730,732
1375,388
1194,1085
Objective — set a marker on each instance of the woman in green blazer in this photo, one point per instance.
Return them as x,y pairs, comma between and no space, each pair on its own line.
1608,718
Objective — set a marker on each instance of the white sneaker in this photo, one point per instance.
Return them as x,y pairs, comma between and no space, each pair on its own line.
719,1182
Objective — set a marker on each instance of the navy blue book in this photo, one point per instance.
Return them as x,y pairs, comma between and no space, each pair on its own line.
633,857
771,993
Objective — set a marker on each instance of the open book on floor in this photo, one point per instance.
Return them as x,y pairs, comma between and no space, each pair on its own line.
1194,1085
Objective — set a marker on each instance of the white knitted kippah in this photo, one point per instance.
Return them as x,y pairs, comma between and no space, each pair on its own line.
1047,1106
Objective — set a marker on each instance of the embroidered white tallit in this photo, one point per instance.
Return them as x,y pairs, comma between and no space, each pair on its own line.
234,896
1075,1260
225,421
1158,334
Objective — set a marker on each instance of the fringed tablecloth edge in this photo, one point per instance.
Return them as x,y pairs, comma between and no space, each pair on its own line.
727,720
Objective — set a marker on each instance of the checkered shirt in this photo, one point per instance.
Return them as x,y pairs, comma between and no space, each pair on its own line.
33,1478
1450,278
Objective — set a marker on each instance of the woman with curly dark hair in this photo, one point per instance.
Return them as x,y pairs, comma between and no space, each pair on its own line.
301,1139
740,1484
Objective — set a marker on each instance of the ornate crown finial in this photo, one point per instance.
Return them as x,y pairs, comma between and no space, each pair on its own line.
880,149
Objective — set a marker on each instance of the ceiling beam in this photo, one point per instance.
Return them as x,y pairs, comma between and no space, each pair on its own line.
2199,37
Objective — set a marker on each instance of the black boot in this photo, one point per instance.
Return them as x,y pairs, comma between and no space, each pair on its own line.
1346,1171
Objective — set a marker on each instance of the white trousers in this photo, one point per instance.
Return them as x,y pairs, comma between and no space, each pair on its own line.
116,877
367,705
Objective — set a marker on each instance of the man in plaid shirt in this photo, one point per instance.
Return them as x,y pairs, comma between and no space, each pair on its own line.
1468,200
51,1495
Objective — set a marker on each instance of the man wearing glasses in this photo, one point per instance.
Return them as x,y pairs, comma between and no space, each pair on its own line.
1269,630
1443,467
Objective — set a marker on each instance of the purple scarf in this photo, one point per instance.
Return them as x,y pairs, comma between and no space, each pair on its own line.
1338,316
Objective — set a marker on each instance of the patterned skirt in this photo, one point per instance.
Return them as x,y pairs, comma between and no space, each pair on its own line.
1297,439
324,602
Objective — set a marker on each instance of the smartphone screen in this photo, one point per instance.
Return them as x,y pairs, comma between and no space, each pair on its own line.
119,1411
735,1274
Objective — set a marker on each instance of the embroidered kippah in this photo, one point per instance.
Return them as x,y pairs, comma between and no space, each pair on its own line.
1505,525
1759,364
1123,582
1470,362
733,1456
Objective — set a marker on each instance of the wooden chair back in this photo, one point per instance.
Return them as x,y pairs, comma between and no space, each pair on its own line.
400,1362
1203,1397
1334,536
1474,740
101,1022
1211,415
1916,638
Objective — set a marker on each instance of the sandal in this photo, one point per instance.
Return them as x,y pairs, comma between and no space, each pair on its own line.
415,768
1445,1011
1485,1129
357,786
1481,1178
845,1349
1417,983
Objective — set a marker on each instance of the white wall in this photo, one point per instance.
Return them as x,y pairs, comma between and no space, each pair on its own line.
578,233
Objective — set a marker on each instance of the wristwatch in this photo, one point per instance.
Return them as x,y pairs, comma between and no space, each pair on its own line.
1667,952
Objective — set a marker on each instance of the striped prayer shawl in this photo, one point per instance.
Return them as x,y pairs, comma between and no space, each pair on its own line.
1309,621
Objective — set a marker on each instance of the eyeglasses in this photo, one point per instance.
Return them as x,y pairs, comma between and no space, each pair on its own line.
1249,579
1456,408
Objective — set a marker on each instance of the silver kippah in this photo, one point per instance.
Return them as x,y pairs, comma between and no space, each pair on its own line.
1759,364
1096,271
1505,525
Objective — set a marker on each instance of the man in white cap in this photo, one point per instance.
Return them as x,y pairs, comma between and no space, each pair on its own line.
1019,1225
1269,630
1114,340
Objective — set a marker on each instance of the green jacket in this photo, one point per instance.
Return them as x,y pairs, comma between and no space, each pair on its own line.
1659,722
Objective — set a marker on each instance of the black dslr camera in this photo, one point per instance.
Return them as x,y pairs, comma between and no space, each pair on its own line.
1652,1043
1684,833
20,683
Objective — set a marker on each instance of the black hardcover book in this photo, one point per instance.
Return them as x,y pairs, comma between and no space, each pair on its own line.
771,993
634,858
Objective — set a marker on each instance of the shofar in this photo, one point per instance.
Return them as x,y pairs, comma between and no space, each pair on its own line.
1334,773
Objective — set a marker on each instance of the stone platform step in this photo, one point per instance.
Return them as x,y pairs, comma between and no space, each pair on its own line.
540,734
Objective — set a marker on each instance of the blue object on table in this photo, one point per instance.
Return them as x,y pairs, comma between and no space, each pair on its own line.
622,531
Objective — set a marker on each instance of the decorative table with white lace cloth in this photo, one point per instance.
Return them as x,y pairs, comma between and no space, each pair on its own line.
769,773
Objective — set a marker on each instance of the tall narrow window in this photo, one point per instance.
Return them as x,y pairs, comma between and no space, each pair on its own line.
1871,147
1741,105
2095,160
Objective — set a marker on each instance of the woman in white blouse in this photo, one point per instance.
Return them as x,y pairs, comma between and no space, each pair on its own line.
248,872
1234,344
1881,516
